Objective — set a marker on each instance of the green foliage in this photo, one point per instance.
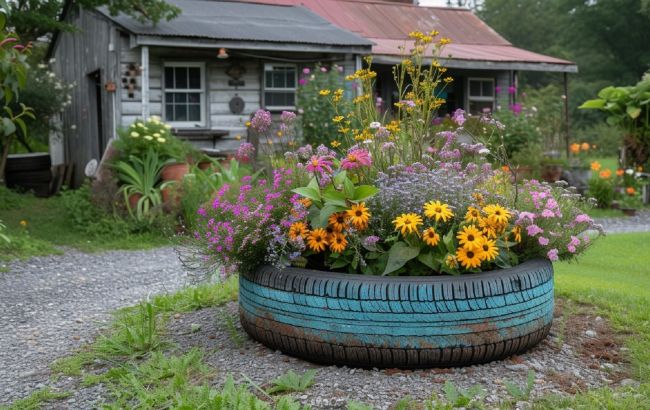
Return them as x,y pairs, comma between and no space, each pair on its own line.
198,297
458,397
521,393
602,189
139,177
3,238
36,400
357,405
317,112
605,138
37,18
228,321
292,382
135,333
88,218
153,135
629,109
47,95
520,130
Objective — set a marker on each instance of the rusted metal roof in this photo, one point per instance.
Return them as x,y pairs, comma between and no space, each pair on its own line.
388,24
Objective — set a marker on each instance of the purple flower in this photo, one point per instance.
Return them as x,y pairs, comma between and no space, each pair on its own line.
533,230
306,70
245,152
287,117
543,241
583,218
323,69
547,213
516,108
302,81
261,121
497,89
319,164
458,117
512,89
552,255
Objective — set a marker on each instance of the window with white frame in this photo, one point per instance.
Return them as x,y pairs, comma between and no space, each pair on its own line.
280,86
480,94
184,93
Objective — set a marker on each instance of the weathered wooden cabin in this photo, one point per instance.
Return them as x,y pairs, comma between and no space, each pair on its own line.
204,72
208,70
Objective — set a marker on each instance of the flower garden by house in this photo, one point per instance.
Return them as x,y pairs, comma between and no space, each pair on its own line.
377,195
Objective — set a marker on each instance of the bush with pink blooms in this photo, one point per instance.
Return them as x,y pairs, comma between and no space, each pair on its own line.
553,221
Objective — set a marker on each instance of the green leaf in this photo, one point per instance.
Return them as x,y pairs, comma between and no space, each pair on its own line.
429,260
593,104
327,210
398,255
364,191
8,127
334,197
633,111
340,178
339,263
348,188
313,184
448,240
308,192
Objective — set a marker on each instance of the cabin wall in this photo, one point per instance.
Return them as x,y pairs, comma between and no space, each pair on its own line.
89,122
219,92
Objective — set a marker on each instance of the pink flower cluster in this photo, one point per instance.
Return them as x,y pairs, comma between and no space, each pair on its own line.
234,231
261,121
554,226
245,152
356,158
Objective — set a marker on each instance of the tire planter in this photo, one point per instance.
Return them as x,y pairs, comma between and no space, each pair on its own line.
404,322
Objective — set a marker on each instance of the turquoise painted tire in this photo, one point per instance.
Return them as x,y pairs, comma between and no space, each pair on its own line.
404,322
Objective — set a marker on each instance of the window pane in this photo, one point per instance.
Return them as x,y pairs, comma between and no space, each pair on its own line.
194,98
291,78
279,99
169,97
478,107
278,80
475,88
488,88
181,77
268,78
180,97
169,77
180,113
195,77
169,112
194,112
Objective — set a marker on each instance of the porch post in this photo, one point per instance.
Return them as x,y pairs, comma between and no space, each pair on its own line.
145,81
566,112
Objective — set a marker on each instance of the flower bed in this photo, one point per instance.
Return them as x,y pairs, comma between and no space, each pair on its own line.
404,208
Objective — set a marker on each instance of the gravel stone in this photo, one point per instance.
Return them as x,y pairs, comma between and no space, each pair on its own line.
51,305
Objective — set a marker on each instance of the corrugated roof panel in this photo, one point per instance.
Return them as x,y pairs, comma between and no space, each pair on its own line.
388,24
246,22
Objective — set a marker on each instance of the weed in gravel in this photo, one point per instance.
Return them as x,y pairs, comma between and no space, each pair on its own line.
292,382
406,403
229,323
36,400
73,365
357,405
471,398
521,393
289,403
604,398
199,297
135,333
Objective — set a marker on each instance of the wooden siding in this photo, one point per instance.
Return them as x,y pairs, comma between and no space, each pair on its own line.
78,54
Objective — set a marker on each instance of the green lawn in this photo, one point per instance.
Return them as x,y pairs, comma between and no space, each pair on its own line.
614,275
48,227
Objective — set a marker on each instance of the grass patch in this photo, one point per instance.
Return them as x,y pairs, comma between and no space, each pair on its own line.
198,297
605,213
37,399
48,227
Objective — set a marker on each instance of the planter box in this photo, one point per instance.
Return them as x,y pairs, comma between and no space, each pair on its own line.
406,322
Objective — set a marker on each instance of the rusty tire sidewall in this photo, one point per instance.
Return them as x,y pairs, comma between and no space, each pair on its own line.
405,322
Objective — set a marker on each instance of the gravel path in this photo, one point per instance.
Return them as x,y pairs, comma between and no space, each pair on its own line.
638,223
53,304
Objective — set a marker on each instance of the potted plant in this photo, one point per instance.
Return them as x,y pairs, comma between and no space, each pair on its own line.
400,247
552,168
630,201
139,178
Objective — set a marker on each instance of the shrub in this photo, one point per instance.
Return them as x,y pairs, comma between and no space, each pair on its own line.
602,190
316,112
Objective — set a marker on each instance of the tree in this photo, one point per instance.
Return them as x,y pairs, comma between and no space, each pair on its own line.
34,19
13,74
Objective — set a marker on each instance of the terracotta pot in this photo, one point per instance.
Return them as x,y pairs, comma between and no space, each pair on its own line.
522,173
551,172
174,172
203,165
133,200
